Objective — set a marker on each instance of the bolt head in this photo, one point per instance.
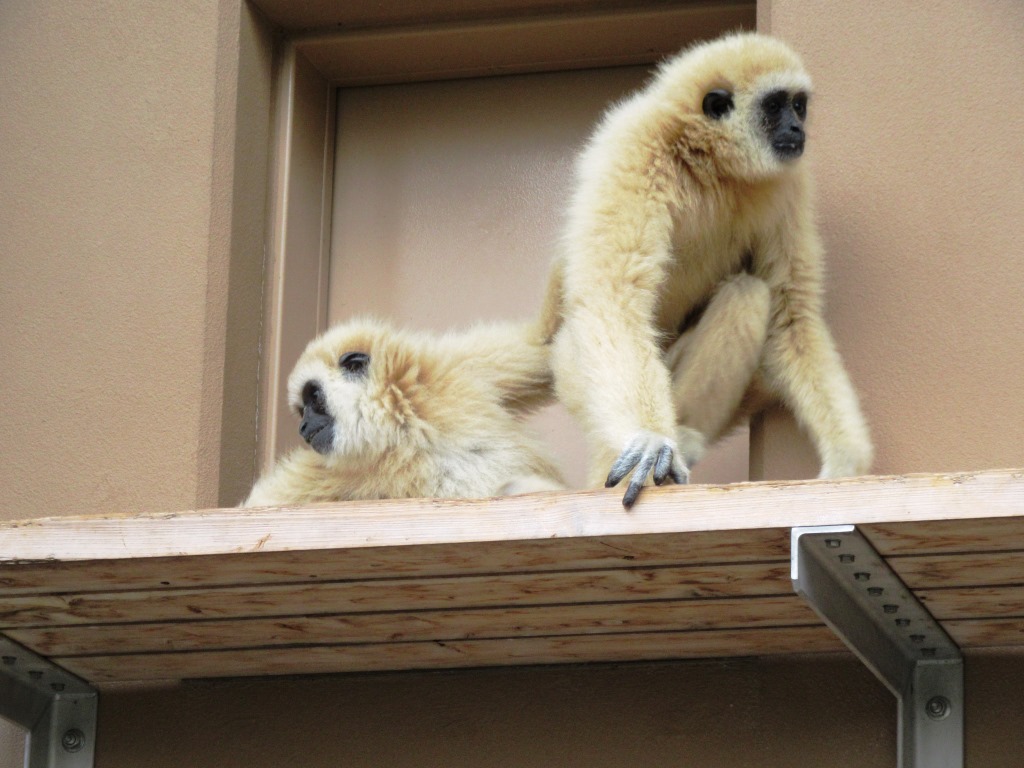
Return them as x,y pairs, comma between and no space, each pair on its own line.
862,576
902,622
847,558
889,608
72,740
917,638
938,707
832,543
875,591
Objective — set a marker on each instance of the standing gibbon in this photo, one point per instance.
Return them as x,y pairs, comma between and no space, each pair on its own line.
689,290
393,414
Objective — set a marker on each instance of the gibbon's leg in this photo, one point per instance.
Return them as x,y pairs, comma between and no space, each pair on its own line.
800,361
713,364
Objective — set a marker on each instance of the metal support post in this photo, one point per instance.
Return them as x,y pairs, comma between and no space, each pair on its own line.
863,601
57,708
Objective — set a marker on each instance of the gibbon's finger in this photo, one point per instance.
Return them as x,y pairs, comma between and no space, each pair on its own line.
680,473
663,464
639,476
626,461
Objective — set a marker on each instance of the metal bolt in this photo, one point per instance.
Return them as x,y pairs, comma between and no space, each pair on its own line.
58,687
917,638
847,558
72,740
875,591
9,660
832,543
928,653
862,576
902,622
938,707
891,609
35,674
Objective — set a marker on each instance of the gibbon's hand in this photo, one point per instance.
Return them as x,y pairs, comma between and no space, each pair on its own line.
647,451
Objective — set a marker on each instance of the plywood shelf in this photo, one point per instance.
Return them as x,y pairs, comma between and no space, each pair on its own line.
699,571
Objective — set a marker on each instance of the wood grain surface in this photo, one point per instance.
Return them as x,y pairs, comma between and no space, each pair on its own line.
549,578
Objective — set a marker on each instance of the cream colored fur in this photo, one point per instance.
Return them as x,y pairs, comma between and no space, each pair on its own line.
435,416
672,212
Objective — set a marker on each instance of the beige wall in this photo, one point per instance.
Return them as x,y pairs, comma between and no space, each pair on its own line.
918,138
132,207
783,713
131,180
131,250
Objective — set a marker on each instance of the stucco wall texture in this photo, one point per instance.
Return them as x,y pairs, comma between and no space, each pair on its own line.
106,113
127,264
917,141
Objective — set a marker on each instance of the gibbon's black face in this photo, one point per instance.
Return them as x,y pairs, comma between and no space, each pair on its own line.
781,118
318,425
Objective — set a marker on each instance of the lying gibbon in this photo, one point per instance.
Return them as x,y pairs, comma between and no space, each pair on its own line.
688,294
393,414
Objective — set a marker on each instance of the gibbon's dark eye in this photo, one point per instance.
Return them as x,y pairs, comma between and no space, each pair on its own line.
773,104
717,104
354,362
800,105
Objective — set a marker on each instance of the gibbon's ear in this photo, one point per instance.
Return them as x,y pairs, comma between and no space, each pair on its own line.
513,358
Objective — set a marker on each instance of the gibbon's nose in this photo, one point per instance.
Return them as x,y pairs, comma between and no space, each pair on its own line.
313,399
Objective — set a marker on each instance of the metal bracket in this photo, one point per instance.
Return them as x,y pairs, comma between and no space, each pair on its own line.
863,601
57,708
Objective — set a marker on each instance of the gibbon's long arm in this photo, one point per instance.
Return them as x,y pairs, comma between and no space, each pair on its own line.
512,357
801,362
609,366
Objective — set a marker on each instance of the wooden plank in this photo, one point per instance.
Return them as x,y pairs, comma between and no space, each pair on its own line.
455,654
987,568
623,584
549,578
974,602
594,618
297,566
418,522
984,633
973,533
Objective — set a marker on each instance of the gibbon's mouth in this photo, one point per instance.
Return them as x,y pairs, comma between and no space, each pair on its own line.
321,439
788,150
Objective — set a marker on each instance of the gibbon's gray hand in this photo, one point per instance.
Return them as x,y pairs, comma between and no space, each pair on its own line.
647,451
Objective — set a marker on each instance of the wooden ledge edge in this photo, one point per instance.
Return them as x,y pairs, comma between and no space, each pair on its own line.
411,522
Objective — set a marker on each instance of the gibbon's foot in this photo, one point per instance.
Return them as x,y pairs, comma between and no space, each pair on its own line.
647,451
832,470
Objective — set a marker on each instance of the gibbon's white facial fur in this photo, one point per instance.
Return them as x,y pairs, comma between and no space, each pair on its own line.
688,292
748,68
393,414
